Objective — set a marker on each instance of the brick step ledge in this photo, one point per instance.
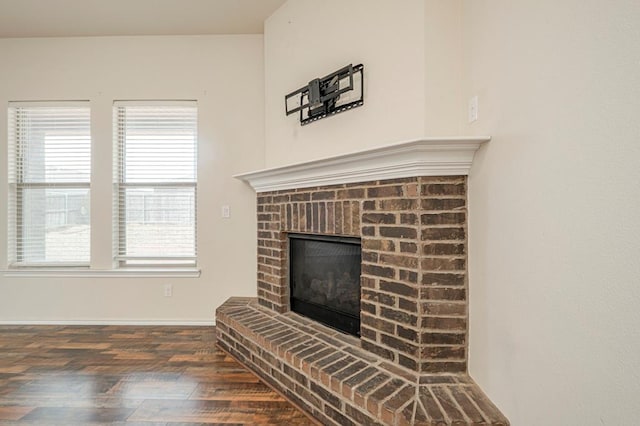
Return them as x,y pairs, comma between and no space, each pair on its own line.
326,373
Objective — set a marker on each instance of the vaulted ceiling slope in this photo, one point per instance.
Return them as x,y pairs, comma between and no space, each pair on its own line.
83,18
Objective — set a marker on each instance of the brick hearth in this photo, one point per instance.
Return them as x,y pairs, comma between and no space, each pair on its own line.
326,373
409,366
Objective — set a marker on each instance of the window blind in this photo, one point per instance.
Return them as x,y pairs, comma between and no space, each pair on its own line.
49,183
156,182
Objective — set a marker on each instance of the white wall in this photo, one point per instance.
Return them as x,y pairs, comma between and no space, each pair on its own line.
443,67
305,39
554,204
225,75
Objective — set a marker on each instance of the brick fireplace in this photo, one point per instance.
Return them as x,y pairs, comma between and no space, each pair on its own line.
409,365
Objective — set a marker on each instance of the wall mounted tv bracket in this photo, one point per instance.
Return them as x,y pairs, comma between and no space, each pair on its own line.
322,97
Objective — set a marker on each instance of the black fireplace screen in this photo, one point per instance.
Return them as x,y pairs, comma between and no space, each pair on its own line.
324,277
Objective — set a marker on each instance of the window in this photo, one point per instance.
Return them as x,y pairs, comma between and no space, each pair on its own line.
49,176
156,177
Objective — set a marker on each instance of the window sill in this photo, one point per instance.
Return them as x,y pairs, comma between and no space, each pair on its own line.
103,273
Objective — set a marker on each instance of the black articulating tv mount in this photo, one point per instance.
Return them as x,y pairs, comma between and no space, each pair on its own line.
322,97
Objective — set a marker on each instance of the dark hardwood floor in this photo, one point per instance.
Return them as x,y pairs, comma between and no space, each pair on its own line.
72,375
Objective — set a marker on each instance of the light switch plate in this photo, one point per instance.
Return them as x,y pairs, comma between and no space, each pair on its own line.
473,109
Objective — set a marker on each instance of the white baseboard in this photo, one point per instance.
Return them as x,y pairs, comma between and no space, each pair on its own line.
111,322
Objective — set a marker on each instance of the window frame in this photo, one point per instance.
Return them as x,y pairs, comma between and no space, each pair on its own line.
18,185
120,184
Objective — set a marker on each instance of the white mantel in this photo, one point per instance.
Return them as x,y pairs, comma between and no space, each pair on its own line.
422,157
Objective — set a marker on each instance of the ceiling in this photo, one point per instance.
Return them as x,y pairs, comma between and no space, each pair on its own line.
82,18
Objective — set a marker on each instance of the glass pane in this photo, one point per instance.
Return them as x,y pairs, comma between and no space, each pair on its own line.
158,143
326,273
159,222
55,225
324,280
53,143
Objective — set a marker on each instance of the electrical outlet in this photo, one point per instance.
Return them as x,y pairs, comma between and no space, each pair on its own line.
473,109
168,290
226,212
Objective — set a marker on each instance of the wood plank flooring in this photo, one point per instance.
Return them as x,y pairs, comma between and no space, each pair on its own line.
129,375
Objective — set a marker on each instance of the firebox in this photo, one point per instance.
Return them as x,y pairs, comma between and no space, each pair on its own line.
324,280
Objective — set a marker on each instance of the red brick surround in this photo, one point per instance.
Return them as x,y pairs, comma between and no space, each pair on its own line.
413,234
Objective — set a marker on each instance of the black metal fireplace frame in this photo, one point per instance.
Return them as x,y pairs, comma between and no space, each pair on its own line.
338,320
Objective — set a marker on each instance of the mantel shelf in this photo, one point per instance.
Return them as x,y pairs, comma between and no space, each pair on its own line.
421,157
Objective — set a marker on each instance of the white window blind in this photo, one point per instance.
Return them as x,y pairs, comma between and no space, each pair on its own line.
156,178
49,177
